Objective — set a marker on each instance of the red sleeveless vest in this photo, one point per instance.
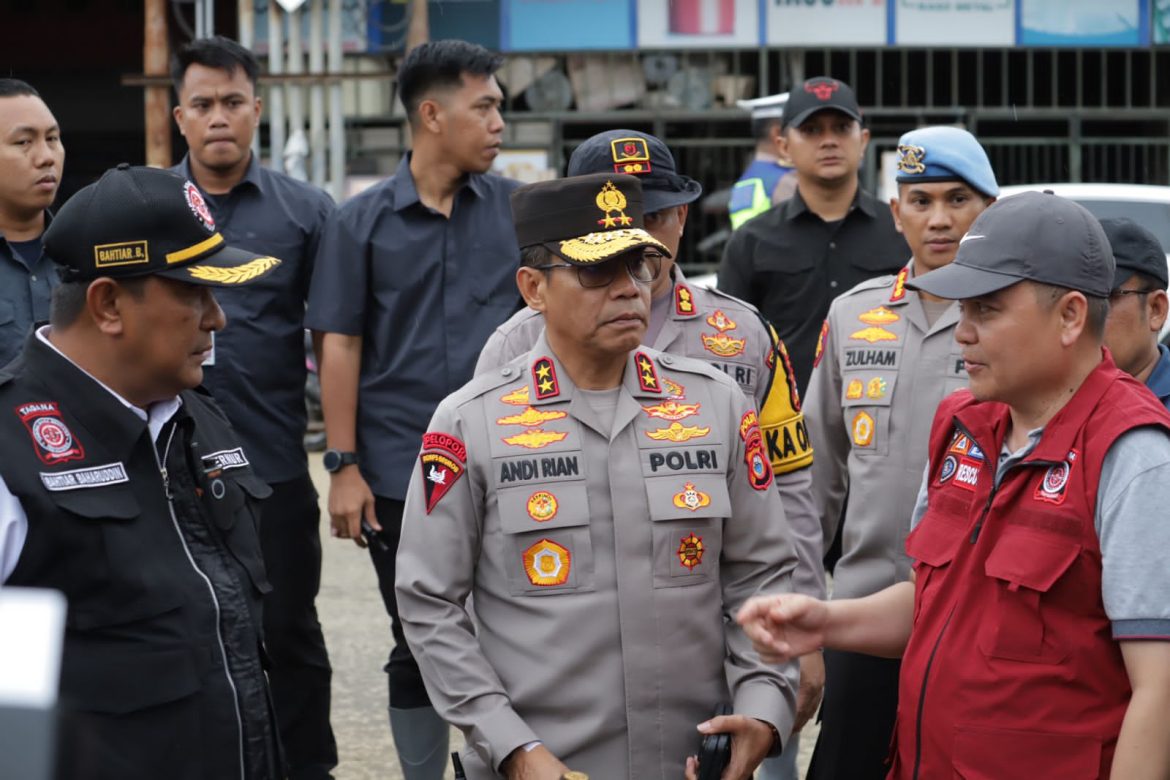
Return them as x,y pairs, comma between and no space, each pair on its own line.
1011,670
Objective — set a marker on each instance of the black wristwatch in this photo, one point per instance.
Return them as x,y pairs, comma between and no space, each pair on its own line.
336,460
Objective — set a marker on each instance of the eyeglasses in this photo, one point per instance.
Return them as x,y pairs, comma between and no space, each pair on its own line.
1118,294
643,268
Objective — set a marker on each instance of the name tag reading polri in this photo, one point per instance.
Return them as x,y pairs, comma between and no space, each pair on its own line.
92,477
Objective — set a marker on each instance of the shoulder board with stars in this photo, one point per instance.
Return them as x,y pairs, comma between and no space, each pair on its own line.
544,378
647,375
684,299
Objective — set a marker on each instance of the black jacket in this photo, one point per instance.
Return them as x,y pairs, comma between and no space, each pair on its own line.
157,552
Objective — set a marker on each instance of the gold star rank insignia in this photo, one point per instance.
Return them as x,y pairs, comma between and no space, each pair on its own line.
684,299
544,376
647,376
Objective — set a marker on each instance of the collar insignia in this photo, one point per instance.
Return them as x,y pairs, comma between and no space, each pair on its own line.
684,299
899,286
544,377
647,376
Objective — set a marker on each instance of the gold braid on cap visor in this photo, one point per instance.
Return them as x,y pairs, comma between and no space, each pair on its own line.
596,247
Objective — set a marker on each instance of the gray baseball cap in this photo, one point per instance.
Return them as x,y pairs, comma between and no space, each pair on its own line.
1035,236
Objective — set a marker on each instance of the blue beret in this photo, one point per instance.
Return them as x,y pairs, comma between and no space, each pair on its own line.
944,153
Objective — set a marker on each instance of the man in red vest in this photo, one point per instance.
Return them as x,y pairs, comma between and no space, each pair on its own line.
1034,634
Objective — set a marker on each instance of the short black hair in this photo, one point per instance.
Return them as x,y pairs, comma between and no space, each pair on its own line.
441,65
214,52
1095,315
68,299
762,128
532,256
16,88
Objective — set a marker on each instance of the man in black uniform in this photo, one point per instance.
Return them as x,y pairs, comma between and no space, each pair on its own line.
793,260
32,159
257,372
411,278
128,491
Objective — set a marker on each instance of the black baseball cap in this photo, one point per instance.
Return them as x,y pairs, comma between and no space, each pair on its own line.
138,221
583,219
1035,236
1135,251
641,155
819,94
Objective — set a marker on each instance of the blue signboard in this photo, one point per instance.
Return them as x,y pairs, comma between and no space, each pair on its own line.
1083,23
567,25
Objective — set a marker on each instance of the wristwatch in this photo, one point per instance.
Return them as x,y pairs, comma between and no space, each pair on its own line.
336,460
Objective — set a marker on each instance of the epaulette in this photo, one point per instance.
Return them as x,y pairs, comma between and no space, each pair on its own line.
877,283
669,361
481,384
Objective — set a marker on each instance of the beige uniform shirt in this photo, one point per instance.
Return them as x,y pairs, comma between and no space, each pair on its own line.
605,563
729,334
879,374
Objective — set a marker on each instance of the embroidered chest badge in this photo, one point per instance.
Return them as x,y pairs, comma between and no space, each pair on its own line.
721,322
542,506
691,498
671,410
55,443
1054,482
690,551
547,563
723,345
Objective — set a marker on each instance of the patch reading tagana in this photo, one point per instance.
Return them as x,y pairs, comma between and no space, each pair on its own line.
53,439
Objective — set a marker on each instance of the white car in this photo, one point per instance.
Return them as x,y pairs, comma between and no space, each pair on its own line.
1146,204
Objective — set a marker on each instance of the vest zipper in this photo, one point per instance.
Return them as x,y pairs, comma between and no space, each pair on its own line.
922,696
162,469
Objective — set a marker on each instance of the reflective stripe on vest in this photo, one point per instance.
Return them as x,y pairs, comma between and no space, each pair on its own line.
748,199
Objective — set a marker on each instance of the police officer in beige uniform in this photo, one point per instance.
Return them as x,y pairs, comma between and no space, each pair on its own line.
887,355
585,494
724,331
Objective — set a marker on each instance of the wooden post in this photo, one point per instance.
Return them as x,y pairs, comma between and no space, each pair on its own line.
155,59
